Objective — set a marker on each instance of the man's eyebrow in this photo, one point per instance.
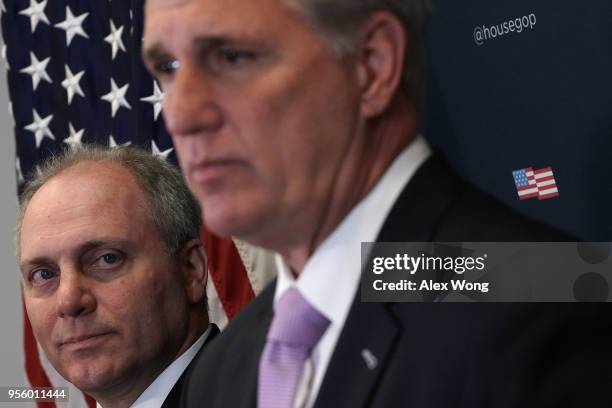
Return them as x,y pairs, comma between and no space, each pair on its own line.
79,251
39,260
204,43
154,52
244,38
91,245
157,51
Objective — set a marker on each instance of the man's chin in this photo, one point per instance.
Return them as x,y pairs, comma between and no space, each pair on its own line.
90,377
230,223
224,226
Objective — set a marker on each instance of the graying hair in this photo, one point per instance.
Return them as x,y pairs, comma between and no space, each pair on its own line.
339,21
173,209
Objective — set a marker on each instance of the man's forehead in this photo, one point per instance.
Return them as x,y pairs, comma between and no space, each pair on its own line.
187,26
209,3
61,220
210,14
87,181
52,232
86,190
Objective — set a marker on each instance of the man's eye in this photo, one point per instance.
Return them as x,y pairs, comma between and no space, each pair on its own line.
166,67
109,260
234,56
41,275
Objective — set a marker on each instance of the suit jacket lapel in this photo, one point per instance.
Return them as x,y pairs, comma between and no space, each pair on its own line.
254,341
371,332
363,350
253,328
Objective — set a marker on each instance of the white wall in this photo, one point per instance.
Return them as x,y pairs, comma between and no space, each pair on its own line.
12,370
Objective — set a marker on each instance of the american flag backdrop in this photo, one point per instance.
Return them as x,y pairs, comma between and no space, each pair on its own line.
75,76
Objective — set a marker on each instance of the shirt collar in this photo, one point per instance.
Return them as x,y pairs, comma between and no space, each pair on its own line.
156,393
337,261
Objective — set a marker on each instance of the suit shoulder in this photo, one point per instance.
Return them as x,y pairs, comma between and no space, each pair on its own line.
255,313
437,205
230,361
477,216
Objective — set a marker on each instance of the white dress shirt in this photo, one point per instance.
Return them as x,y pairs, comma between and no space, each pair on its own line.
330,278
156,393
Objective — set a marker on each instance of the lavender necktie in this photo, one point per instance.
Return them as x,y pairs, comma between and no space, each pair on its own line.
295,330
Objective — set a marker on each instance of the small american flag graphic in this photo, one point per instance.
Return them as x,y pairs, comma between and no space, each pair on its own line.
532,183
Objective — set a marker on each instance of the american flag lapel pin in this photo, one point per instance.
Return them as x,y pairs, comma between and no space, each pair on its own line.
535,183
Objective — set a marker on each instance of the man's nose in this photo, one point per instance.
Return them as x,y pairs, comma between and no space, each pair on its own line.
74,297
192,103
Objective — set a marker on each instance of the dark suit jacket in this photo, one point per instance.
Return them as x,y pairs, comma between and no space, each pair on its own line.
173,400
436,354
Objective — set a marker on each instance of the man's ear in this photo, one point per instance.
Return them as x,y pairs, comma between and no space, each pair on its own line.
380,61
194,269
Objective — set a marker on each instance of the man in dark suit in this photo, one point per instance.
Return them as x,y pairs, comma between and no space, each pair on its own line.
295,123
114,274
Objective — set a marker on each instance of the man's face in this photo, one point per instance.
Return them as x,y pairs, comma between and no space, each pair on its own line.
262,111
105,300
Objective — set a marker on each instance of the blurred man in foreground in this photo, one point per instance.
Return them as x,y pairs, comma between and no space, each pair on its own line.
295,123
114,274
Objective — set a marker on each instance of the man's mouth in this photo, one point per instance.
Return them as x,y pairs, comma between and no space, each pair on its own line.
210,171
84,341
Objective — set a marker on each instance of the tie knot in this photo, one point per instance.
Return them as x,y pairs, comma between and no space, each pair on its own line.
296,322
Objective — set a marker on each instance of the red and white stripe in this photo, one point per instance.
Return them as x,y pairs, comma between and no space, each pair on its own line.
530,190
546,184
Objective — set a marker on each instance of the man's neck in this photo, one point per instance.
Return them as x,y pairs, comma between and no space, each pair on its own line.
371,156
124,394
124,397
